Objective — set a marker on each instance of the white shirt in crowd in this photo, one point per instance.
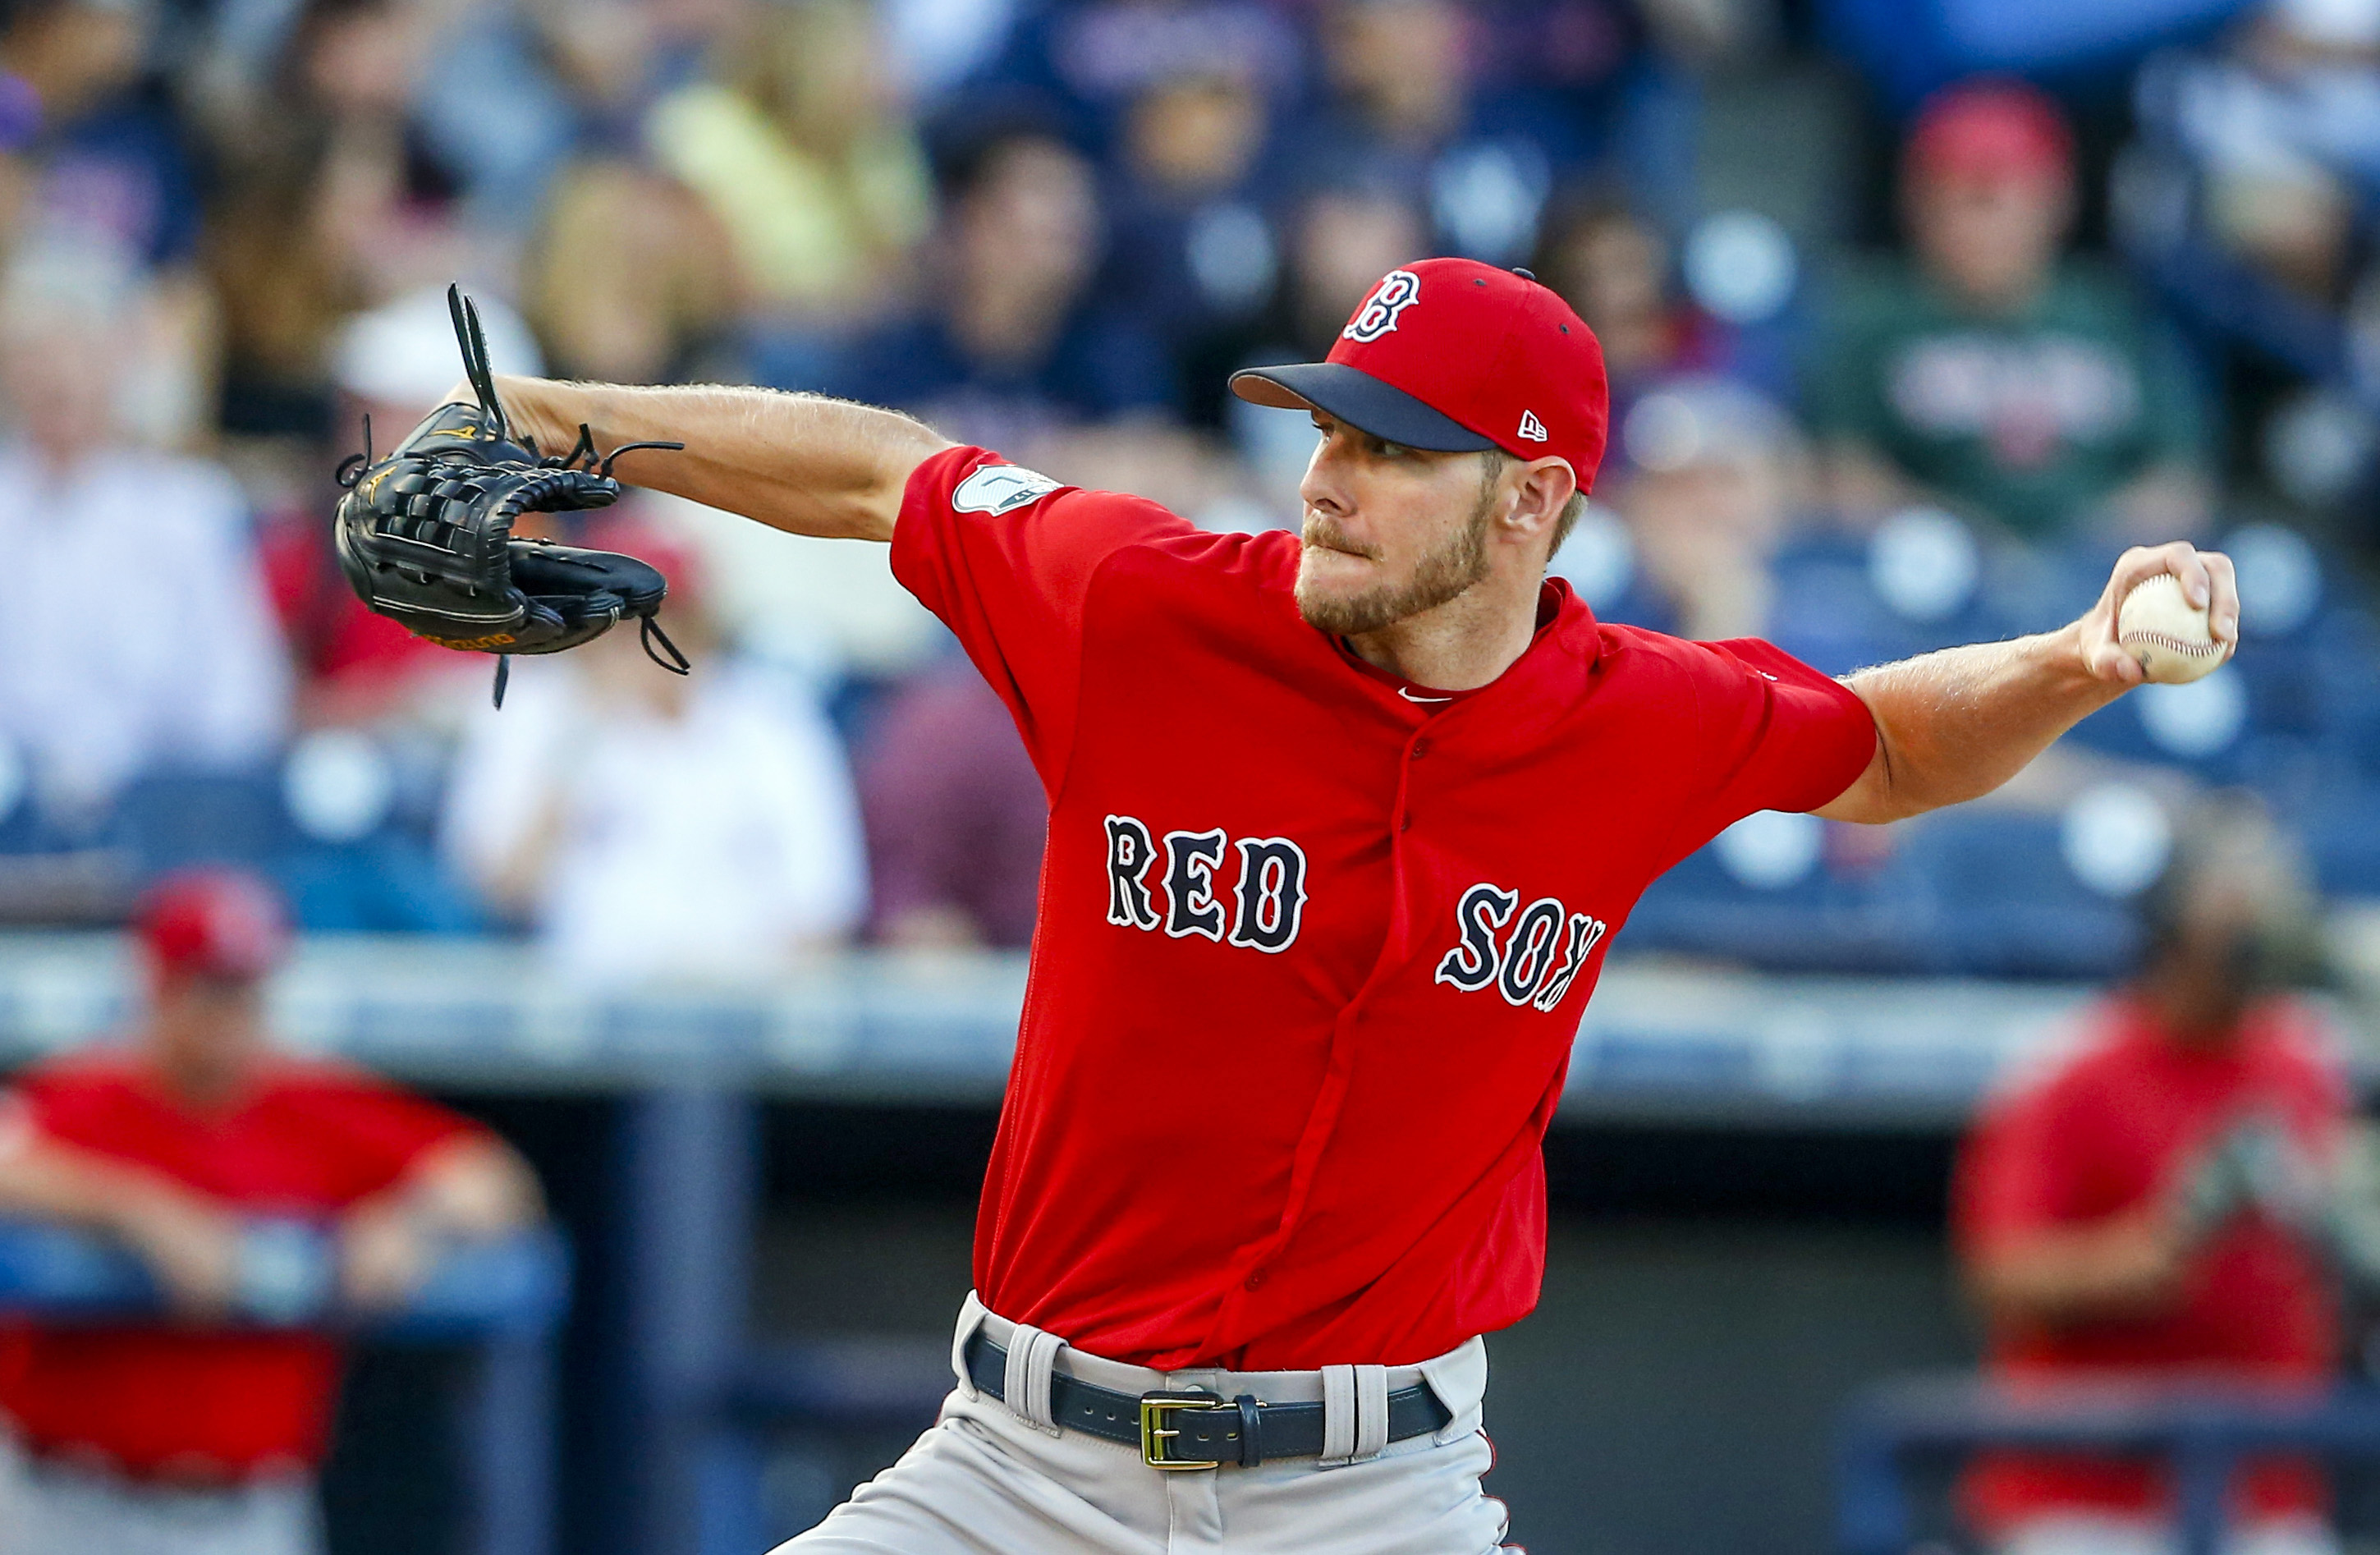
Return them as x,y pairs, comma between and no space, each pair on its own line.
137,633
708,846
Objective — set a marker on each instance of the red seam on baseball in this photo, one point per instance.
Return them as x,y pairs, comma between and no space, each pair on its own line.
2158,639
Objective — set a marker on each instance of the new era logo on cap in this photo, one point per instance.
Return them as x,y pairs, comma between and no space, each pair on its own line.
1453,356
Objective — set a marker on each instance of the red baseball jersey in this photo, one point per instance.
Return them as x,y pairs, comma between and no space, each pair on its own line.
2104,1134
1313,941
309,1139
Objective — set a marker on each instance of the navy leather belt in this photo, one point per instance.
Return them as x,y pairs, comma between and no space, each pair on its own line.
1194,1429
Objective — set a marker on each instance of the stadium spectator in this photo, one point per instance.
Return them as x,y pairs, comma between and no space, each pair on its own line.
107,162
1342,240
1404,105
956,817
94,161
1987,373
652,826
1714,475
183,666
2283,126
1011,344
1614,268
1339,241
1193,252
800,149
181,1436
330,201
1085,68
629,277
2110,1229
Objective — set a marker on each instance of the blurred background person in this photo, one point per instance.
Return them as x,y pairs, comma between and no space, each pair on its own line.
1342,239
1010,344
648,825
1338,241
1085,68
2115,1223
1985,372
330,199
104,164
799,147
1712,480
956,816
629,276
1404,99
184,666
185,1435
1193,253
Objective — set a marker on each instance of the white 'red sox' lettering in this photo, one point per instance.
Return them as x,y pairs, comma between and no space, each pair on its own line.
1532,965
1178,886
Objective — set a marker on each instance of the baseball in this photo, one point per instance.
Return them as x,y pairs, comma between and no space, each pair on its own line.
2169,636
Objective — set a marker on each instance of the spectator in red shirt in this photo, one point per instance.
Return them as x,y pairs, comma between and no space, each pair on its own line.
956,817
131,1437
2152,1209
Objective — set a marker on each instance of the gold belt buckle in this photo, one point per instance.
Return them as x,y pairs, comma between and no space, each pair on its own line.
1157,1412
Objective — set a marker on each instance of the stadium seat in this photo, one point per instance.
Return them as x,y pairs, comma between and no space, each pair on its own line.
1800,906
2008,903
170,820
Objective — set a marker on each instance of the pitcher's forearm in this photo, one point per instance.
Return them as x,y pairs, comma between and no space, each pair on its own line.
1954,725
802,463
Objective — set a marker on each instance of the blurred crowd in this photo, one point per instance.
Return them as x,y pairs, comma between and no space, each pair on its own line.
1054,226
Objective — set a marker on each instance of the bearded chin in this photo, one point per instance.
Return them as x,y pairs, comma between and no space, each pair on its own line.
1441,575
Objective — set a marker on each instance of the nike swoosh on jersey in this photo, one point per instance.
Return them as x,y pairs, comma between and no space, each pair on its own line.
1411,698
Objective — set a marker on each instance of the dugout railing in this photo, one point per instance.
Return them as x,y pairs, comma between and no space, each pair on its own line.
2199,1431
503,1301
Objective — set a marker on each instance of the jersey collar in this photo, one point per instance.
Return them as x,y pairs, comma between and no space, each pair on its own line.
1563,620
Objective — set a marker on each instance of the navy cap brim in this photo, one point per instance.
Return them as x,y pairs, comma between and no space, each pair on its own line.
1362,401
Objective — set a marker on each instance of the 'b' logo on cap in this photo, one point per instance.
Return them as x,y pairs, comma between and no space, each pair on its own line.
1398,290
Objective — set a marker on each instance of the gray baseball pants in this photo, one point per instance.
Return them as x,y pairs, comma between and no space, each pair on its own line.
67,1508
986,1481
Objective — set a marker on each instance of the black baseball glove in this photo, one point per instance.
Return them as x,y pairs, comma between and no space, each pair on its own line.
425,535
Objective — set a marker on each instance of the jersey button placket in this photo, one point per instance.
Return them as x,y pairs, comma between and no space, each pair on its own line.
1414,752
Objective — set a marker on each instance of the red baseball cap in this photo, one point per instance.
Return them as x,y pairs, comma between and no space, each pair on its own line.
1458,356
1982,132
213,922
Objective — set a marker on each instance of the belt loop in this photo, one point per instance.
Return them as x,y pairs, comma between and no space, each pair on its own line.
1371,1412
1338,1416
970,1320
1251,1430
1032,1356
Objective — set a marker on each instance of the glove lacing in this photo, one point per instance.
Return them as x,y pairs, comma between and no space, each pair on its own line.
496,427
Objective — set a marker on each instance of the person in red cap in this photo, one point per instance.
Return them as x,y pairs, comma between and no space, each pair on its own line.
2174,1198
1985,373
1341,822
196,1145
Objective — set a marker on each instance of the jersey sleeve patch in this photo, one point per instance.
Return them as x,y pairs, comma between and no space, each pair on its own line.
997,489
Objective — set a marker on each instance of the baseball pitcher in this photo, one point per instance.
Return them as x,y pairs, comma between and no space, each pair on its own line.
1343,822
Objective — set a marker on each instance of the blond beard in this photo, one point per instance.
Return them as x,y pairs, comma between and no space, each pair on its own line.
1436,577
